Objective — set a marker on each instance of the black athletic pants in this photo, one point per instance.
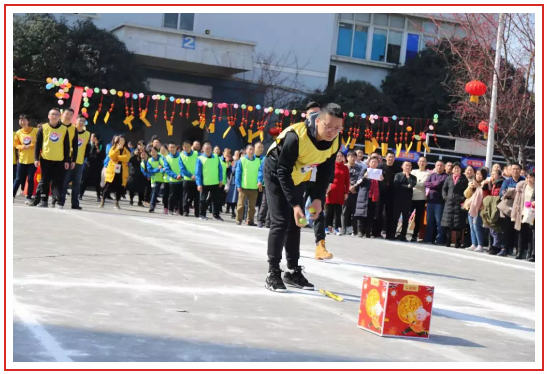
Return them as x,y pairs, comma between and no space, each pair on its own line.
214,190
419,206
190,196
348,211
175,197
319,223
283,229
334,215
52,172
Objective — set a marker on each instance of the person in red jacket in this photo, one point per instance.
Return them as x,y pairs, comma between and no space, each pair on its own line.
337,193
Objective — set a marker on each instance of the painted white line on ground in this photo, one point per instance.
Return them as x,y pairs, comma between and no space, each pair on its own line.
450,353
49,343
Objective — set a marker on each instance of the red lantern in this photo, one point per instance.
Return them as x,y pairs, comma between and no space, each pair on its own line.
483,127
475,89
275,131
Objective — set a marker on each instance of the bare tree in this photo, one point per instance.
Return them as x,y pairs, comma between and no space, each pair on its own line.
472,57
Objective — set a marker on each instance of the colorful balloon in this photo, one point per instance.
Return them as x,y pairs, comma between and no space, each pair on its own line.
171,99
435,116
49,86
104,91
408,128
401,123
286,112
266,110
394,118
351,114
243,106
84,95
372,120
303,115
113,91
162,97
294,112
209,104
126,95
84,110
66,96
49,80
200,103
86,105
363,115
177,101
96,89
431,127
141,95
135,96
276,111
258,106
435,120
188,101
60,102
250,108
89,92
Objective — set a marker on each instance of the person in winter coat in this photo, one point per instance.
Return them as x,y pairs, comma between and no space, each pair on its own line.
117,171
403,185
523,217
435,204
93,167
337,193
476,192
232,194
367,209
137,180
419,196
348,211
454,218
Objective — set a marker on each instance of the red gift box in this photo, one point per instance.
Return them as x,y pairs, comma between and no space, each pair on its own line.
395,307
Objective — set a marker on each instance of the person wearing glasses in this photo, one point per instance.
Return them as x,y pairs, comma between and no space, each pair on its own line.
52,154
289,163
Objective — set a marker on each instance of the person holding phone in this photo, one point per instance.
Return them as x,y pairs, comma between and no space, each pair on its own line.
289,163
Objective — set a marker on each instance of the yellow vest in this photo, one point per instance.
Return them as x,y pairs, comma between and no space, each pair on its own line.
309,156
14,154
71,132
53,145
26,156
83,141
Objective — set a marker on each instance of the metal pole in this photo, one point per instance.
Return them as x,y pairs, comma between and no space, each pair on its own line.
492,123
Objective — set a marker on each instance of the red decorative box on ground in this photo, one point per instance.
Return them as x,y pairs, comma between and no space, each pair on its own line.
395,307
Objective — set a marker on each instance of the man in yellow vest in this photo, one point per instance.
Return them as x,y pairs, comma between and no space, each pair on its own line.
209,180
24,141
249,183
52,154
82,140
190,191
298,150
66,119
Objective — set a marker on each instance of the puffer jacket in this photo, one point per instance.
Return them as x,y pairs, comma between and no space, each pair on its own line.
491,214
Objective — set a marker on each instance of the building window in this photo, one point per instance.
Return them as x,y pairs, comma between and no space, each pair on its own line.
180,21
379,41
391,38
345,33
394,47
412,46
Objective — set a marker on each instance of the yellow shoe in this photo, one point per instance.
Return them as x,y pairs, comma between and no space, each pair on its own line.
321,252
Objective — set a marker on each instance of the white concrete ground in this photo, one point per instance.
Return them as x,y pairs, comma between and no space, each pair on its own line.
106,285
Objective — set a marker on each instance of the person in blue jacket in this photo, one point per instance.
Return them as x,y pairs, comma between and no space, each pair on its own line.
174,170
209,179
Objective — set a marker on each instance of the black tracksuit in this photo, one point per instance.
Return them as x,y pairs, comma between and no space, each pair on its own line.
283,195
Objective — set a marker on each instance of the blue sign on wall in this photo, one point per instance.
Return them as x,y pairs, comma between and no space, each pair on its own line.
188,42
477,163
411,156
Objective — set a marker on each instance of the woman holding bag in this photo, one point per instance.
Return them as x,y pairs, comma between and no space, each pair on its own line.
476,192
523,214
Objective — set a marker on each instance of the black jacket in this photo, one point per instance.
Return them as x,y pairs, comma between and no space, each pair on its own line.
279,164
403,187
389,176
361,206
454,217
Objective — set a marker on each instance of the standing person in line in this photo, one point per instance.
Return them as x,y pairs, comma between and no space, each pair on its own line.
190,196
360,158
476,191
52,154
93,168
264,213
155,168
82,140
66,119
491,215
523,217
232,196
259,153
418,196
196,146
510,235
173,169
454,217
403,189
470,175
369,195
337,194
224,162
209,180
117,171
435,204
165,193
249,182
290,160
14,161
321,252
387,200
25,141
217,151
448,168
348,211
137,181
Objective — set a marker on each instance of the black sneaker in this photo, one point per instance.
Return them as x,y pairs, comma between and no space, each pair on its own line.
260,225
218,218
274,282
151,210
76,208
43,204
53,203
186,214
251,224
233,216
413,240
295,278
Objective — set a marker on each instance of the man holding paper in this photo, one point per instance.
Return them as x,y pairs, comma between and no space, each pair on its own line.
367,209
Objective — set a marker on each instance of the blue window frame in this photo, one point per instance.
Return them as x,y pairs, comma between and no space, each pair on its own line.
345,34
412,46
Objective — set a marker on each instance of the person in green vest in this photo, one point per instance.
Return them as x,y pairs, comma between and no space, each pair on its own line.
165,194
259,153
209,177
189,158
249,182
173,169
155,169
